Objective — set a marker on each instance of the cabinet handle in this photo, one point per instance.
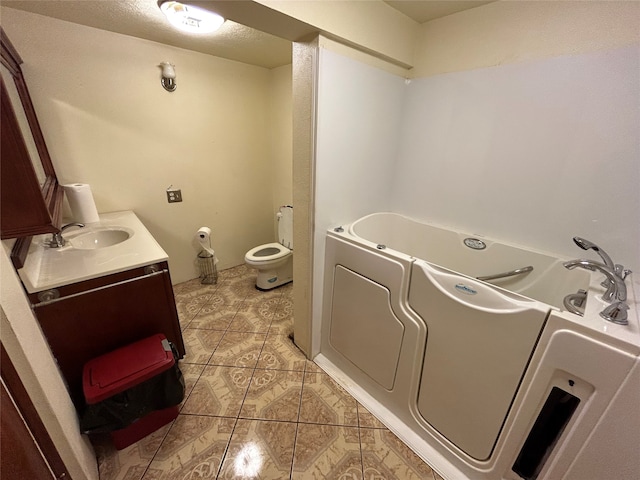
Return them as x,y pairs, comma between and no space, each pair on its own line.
149,269
97,289
49,295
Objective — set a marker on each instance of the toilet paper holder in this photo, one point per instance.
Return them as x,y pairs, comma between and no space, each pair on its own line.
208,268
207,257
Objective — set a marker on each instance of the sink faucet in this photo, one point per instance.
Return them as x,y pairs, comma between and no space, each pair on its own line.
618,289
57,240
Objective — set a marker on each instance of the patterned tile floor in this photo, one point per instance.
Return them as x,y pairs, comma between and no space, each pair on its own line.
255,407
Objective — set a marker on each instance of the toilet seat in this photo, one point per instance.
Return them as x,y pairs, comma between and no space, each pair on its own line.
267,253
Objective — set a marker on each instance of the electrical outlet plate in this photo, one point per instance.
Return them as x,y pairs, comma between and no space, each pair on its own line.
174,196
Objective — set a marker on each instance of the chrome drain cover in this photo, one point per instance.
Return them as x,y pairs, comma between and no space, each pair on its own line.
475,243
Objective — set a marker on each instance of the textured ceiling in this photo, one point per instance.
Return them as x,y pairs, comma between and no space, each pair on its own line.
423,11
143,19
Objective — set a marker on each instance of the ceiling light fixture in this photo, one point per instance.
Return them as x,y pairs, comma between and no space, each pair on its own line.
191,19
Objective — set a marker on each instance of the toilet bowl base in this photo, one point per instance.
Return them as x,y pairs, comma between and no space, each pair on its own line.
275,277
272,286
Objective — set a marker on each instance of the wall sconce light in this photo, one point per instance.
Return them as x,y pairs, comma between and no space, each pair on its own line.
168,80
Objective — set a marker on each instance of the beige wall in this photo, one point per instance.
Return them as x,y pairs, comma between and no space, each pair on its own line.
108,122
281,137
519,31
224,138
371,26
498,33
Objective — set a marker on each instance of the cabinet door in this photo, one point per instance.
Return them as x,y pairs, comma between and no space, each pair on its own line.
19,453
31,196
24,211
87,324
26,448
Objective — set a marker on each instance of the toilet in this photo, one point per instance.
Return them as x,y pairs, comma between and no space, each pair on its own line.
274,261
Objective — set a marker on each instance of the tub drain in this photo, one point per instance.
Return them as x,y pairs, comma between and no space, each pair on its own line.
475,243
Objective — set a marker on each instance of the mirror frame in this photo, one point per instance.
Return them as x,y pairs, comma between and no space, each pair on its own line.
52,192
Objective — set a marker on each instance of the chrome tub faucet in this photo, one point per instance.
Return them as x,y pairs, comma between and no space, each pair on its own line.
587,245
616,293
617,268
618,289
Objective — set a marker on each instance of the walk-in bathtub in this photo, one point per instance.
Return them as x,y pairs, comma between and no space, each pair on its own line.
456,342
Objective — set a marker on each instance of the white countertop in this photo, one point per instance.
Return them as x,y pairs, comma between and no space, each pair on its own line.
47,267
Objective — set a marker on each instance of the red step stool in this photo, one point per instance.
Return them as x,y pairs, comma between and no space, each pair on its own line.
124,368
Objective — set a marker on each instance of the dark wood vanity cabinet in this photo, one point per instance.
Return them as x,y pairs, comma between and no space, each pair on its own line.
30,196
25,209
96,316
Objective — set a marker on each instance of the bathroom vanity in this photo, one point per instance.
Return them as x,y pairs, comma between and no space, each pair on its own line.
107,287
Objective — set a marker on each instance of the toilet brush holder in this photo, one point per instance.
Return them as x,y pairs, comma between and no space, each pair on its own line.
207,267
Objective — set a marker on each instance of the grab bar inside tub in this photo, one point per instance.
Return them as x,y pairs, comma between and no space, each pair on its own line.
517,271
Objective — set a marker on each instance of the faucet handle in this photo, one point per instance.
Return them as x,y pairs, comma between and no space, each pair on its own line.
56,240
616,313
622,272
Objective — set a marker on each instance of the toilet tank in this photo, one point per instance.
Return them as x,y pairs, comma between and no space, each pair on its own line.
285,226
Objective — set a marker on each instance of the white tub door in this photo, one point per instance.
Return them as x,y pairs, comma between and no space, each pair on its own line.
479,344
363,326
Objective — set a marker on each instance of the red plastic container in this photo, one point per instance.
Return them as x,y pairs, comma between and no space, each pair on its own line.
124,368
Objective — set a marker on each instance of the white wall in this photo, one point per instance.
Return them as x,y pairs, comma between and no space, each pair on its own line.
108,122
359,111
531,153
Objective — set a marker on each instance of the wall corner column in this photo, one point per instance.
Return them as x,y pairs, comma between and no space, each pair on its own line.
305,61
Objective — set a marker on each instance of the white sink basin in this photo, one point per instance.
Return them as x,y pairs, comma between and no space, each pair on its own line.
118,242
100,238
